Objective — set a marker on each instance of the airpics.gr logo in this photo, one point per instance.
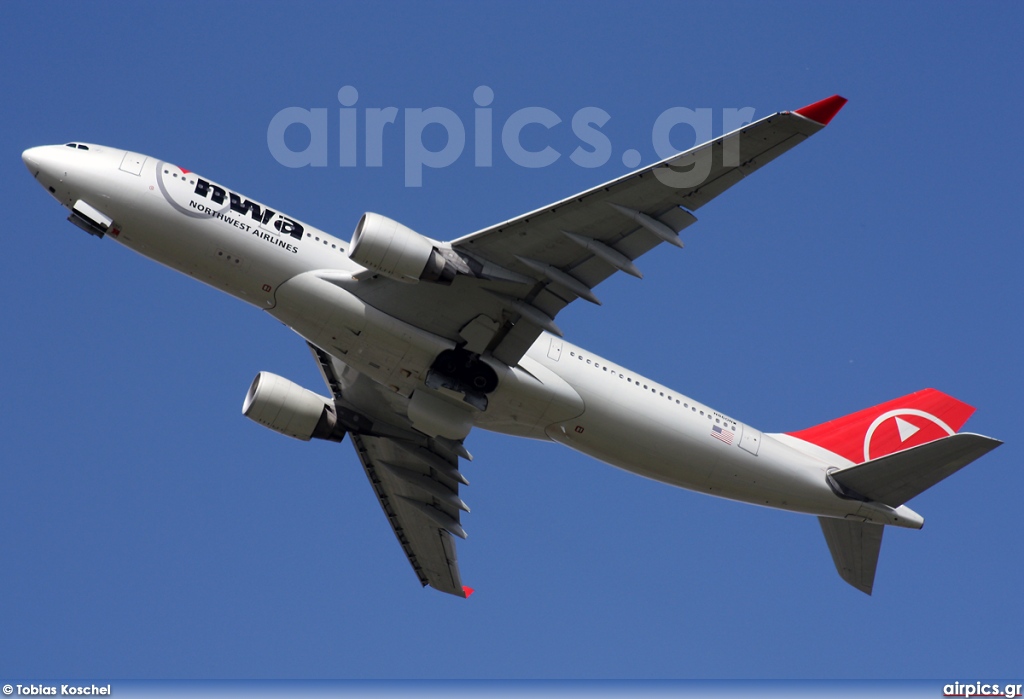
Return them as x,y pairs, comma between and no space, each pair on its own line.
982,689
530,137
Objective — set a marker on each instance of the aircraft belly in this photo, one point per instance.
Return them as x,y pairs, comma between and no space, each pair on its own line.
632,441
777,477
647,429
383,348
529,397
686,457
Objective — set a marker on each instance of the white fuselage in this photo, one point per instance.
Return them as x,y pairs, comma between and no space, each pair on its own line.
558,392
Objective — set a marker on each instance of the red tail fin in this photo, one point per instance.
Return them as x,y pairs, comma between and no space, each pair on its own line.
890,427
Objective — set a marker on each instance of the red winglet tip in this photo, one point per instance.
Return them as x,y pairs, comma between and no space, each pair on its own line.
823,111
467,591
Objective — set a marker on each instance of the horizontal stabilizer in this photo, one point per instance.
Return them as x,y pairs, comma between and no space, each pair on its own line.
854,547
898,477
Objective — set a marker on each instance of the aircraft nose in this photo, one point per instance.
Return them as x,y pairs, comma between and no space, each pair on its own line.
47,164
44,160
31,159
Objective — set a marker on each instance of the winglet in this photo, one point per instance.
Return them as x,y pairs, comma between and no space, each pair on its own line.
823,111
467,591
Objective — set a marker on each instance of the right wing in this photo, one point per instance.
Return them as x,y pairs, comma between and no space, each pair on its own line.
421,500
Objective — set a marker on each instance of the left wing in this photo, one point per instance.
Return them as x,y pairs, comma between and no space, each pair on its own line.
416,479
532,266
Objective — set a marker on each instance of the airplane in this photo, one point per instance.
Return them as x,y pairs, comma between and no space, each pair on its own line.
420,340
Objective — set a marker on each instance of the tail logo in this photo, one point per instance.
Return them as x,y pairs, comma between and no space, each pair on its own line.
906,429
924,429
890,427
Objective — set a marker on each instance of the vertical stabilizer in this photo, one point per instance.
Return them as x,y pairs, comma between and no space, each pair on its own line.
893,426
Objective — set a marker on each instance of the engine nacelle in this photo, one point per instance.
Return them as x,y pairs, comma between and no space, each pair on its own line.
400,253
290,409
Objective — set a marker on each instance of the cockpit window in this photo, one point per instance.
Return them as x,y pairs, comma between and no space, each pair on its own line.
81,147
71,145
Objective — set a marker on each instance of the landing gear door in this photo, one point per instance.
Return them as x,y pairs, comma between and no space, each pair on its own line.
750,439
555,349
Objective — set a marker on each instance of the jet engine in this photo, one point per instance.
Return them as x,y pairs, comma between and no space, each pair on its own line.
290,409
389,248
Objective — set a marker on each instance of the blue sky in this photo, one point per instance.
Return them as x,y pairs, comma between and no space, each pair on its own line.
149,531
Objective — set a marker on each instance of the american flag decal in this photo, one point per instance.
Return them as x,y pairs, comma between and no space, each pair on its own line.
721,435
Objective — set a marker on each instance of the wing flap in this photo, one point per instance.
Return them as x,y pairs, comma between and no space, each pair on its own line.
772,153
712,188
516,341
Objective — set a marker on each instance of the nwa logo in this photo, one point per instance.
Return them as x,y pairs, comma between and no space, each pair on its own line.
195,197
260,214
